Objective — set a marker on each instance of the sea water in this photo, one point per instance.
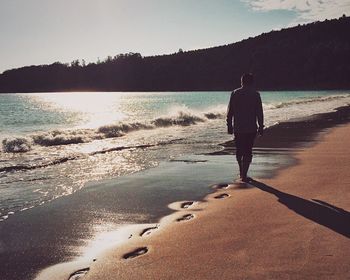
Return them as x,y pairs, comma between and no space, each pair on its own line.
52,144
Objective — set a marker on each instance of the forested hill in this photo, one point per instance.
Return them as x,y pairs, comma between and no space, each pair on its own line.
312,56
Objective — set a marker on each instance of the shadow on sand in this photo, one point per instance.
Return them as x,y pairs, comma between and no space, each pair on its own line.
318,211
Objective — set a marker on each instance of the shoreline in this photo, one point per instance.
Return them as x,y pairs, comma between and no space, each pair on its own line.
187,210
45,216
200,247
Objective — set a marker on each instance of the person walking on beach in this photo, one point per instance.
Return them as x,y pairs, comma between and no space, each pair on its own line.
245,111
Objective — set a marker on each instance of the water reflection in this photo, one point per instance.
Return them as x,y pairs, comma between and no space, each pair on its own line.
86,109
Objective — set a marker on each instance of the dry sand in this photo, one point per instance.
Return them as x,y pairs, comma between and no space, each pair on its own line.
293,226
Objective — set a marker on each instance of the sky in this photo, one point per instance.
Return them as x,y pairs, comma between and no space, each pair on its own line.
34,32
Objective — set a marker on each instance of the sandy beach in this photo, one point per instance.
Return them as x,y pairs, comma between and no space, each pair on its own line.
293,226
127,131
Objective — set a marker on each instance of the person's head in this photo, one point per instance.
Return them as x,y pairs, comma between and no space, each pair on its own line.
247,79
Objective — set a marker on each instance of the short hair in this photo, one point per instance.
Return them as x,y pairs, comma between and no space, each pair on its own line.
247,79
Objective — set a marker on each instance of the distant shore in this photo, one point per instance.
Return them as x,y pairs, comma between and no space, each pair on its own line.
280,60
295,225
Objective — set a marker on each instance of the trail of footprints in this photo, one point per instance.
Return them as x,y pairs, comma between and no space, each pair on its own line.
186,217
147,231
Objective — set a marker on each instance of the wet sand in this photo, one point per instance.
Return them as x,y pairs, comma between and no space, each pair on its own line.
295,225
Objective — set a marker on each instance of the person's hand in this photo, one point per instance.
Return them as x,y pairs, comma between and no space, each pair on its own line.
261,131
230,130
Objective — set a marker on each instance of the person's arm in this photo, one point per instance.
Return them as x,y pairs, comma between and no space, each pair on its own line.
260,116
230,115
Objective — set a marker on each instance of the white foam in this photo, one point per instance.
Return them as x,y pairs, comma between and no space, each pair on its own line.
177,117
16,145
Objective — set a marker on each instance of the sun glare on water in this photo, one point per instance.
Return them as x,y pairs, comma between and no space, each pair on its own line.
91,109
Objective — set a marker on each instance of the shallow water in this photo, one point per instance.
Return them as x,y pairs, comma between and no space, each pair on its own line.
54,143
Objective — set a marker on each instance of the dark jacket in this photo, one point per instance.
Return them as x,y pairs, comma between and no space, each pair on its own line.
245,110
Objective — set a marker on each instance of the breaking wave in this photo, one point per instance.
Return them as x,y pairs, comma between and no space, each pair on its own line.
66,137
213,116
183,119
16,145
62,137
117,130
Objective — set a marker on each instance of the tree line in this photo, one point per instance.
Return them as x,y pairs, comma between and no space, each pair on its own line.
311,56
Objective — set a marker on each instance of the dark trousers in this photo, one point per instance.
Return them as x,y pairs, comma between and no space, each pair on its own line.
244,146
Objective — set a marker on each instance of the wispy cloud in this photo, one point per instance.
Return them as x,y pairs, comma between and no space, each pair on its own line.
306,10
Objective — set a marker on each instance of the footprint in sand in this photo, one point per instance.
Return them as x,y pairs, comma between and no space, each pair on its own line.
79,274
221,186
136,253
185,218
187,204
148,231
221,196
